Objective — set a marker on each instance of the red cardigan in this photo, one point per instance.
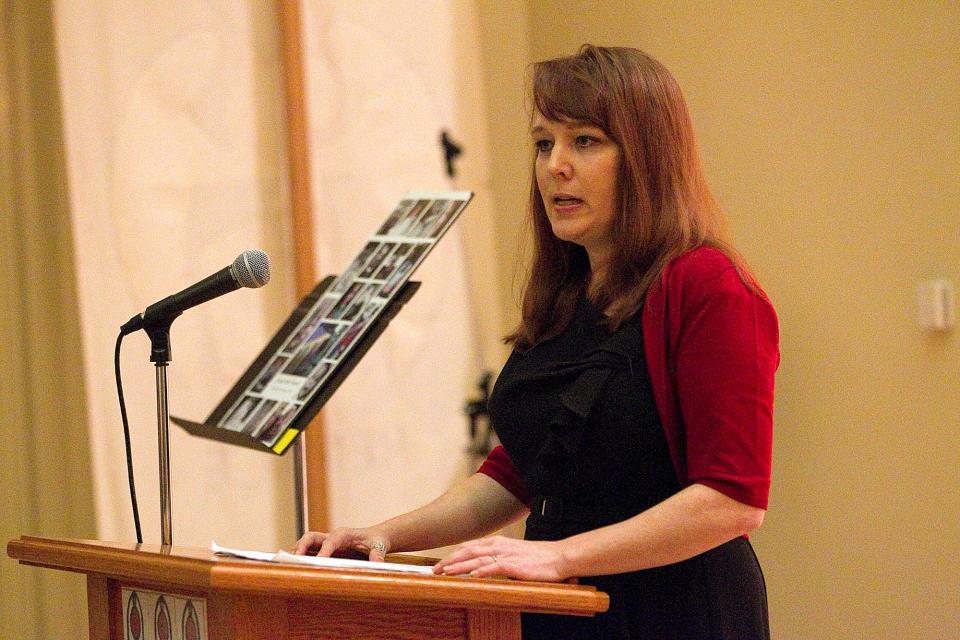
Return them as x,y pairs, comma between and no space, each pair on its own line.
711,346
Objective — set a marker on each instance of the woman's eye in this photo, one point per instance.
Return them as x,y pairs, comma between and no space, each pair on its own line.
543,145
585,141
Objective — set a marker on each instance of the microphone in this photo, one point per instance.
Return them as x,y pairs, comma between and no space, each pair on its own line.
251,269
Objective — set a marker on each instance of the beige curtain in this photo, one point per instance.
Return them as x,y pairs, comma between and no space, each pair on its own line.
44,459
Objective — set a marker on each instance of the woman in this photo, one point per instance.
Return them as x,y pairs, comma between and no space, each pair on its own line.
636,409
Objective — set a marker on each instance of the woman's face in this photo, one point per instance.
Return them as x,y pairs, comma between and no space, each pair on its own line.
577,167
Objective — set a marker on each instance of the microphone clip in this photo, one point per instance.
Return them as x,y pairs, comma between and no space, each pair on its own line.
159,333
158,329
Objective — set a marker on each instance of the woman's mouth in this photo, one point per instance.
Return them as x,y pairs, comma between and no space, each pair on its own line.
564,201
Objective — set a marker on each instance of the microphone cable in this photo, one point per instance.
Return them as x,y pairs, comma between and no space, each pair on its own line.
126,439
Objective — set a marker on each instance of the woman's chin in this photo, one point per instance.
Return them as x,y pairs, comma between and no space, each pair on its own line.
568,232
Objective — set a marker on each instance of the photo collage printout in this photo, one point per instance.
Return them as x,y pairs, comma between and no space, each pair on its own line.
339,318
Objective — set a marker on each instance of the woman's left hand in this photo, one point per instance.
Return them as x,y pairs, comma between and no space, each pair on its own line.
502,556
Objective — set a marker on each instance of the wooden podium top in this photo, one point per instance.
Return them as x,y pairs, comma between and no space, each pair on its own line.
201,571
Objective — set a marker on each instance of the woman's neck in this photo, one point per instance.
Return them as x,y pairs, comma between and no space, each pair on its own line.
598,274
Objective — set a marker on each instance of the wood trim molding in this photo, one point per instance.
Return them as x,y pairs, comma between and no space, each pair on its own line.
313,439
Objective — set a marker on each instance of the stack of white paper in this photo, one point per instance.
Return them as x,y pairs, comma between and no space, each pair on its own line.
284,557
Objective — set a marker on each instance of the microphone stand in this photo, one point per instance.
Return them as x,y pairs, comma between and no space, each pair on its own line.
160,356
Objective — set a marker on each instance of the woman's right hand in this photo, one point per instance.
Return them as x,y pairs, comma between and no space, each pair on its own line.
370,542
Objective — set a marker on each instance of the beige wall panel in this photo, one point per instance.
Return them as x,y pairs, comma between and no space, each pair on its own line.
381,84
175,154
505,46
830,133
476,96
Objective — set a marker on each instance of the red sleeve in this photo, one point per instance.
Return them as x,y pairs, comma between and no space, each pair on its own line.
499,466
725,355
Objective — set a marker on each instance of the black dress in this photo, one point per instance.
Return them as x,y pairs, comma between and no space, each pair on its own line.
578,418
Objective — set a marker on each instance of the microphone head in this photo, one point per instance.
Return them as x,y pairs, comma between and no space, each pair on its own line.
251,269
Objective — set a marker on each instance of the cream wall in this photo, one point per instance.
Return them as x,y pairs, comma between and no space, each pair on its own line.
382,81
176,164
504,76
830,133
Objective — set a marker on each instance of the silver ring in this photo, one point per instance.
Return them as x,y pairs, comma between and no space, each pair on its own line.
379,546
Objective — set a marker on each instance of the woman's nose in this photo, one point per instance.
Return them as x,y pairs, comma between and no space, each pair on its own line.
559,164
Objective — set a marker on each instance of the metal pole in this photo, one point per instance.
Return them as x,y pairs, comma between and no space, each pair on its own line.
163,437
299,471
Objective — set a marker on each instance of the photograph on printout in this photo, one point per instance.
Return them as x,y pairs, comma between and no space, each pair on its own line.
275,399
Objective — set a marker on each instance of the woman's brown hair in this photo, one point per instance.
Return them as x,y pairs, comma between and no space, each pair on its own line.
665,205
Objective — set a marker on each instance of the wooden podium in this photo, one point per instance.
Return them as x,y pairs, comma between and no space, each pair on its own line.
235,598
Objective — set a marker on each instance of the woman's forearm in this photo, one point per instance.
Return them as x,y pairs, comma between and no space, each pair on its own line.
475,507
688,523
